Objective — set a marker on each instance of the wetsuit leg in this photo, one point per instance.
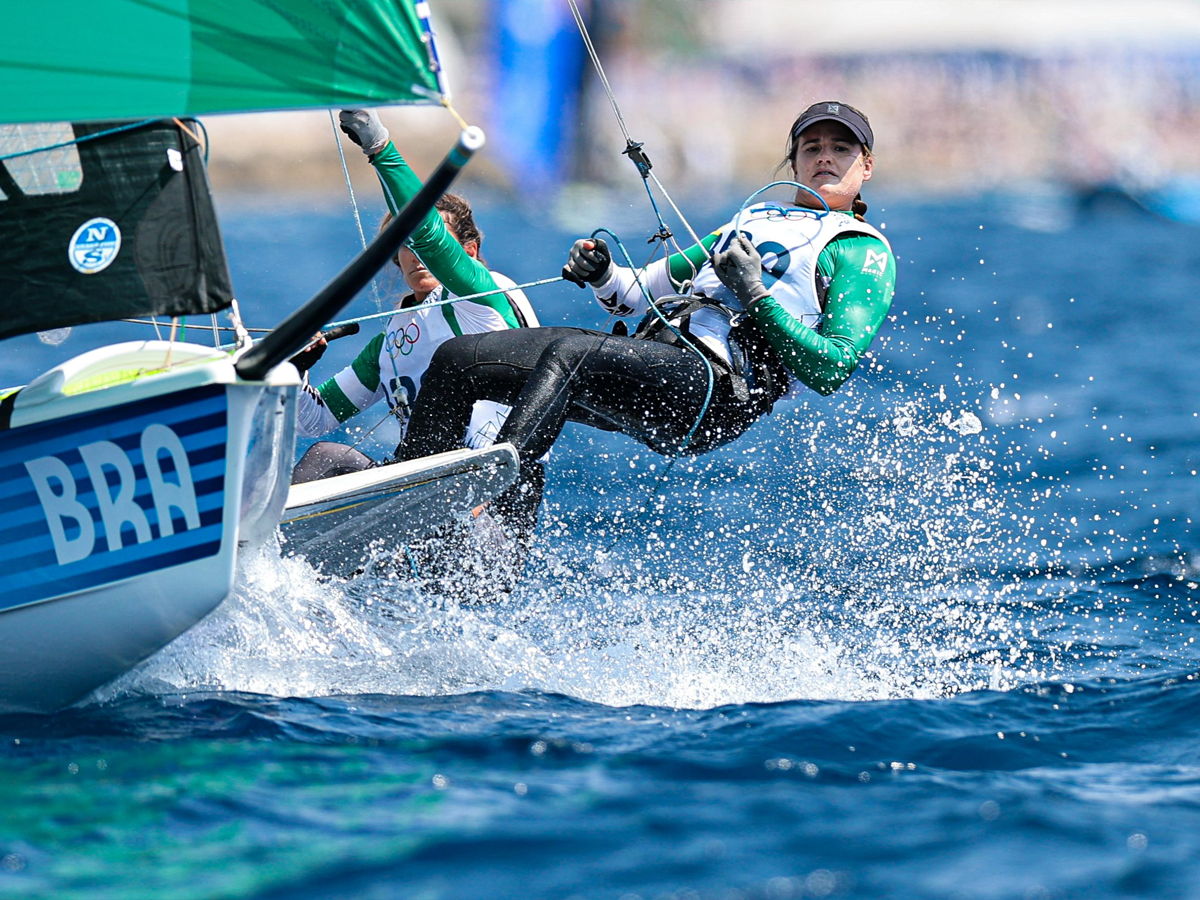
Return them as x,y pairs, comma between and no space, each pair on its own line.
648,390
491,365
324,459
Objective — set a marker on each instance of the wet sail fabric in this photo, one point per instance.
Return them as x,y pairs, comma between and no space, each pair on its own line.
79,60
111,227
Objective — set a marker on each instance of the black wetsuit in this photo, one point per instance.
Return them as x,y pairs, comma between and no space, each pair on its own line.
650,390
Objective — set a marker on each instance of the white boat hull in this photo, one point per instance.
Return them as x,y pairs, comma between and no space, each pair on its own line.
121,510
338,523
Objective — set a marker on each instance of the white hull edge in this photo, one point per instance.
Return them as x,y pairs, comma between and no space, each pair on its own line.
336,523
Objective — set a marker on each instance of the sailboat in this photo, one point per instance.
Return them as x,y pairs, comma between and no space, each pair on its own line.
133,476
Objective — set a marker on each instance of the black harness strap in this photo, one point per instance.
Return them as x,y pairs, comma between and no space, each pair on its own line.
754,371
516,310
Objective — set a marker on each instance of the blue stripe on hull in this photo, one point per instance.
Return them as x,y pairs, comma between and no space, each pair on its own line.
75,583
14,524
129,417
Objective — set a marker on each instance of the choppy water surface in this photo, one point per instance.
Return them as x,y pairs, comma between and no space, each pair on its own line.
932,637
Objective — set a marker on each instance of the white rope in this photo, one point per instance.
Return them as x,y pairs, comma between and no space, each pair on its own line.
429,304
362,235
682,217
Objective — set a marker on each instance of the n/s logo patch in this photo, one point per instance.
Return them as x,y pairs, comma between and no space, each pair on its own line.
876,263
94,245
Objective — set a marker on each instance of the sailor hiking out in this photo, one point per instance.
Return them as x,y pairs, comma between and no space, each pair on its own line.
443,256
784,295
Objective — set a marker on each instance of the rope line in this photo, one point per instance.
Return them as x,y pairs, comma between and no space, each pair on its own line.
79,140
154,322
387,314
682,218
362,235
632,147
462,123
429,304
825,210
633,150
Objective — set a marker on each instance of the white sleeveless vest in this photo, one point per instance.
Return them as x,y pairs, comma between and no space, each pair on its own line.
789,238
410,339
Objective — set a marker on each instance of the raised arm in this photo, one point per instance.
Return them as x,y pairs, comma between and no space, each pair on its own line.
437,248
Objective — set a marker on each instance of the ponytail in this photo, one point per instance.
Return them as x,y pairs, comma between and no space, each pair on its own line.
859,208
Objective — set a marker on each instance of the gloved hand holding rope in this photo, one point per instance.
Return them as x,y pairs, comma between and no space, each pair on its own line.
588,262
739,267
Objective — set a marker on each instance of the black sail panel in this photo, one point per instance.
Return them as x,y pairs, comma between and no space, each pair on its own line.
110,227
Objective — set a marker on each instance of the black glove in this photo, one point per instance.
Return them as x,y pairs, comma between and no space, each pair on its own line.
364,128
307,358
588,262
740,269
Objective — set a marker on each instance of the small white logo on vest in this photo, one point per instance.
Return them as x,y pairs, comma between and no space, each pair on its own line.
832,108
876,263
94,245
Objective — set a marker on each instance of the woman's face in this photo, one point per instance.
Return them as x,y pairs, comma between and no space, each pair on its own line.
418,278
830,160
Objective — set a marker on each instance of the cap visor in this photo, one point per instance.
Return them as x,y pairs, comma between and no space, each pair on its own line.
854,129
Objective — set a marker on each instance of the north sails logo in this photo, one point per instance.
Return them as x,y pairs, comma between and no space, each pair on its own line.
876,263
832,108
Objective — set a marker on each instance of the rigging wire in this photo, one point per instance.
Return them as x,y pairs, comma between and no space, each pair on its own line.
234,328
362,235
633,149
591,49
388,313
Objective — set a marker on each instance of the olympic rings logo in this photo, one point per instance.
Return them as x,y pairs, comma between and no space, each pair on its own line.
402,342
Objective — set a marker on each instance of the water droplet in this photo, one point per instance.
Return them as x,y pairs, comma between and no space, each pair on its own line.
54,336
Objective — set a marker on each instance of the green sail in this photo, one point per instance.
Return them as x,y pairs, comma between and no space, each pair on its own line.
78,60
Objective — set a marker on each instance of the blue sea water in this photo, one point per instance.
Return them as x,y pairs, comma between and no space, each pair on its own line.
931,637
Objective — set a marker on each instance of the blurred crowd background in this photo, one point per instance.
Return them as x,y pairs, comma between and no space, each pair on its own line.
964,95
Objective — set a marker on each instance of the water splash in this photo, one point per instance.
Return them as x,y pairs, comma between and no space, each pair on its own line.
866,555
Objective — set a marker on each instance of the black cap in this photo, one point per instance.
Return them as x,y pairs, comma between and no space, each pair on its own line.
837,112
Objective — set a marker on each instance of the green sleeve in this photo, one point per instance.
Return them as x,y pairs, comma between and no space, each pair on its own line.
445,257
366,370
863,273
684,266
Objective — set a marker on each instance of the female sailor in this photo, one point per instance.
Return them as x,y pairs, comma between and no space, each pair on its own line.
442,255
785,294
